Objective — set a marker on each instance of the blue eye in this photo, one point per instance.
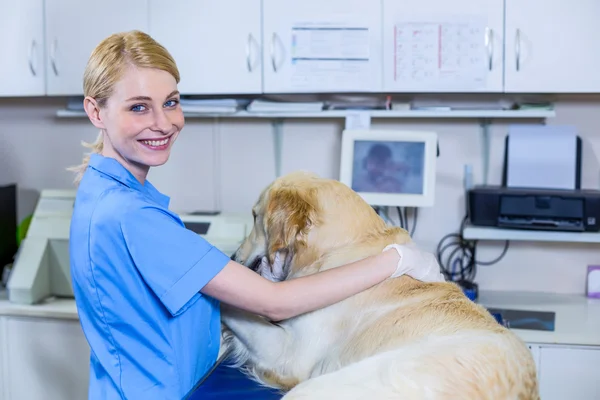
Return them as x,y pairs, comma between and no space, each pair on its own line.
137,108
171,103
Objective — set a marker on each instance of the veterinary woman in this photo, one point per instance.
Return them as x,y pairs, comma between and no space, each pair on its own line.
148,289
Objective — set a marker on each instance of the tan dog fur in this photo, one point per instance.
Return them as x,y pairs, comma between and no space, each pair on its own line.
402,339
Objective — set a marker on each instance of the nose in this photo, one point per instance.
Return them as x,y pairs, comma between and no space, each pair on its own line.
162,122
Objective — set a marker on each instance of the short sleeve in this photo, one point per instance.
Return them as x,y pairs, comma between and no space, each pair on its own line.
174,262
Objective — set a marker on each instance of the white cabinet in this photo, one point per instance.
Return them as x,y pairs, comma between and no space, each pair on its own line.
75,27
22,71
43,359
552,46
315,46
569,373
216,44
436,46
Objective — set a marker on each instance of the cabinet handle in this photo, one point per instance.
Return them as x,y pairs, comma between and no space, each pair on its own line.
273,62
53,56
248,44
31,50
251,41
489,45
518,49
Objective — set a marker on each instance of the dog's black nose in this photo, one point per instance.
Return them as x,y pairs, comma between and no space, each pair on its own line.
233,256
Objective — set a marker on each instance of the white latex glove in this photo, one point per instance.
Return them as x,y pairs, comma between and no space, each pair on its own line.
273,272
416,263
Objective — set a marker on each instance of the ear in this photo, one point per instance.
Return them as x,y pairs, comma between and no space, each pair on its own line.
92,110
291,213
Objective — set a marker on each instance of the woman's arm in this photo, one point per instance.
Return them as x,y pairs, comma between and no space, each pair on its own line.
242,288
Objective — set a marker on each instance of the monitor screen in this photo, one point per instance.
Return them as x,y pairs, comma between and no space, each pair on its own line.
388,167
394,168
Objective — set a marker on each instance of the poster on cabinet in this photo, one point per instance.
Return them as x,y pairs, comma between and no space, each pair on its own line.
441,55
330,56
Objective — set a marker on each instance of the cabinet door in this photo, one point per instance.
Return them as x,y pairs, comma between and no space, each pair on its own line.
75,27
22,71
4,393
322,46
216,44
552,46
434,46
569,373
49,359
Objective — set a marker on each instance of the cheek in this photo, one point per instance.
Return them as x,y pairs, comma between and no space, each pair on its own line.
177,119
128,126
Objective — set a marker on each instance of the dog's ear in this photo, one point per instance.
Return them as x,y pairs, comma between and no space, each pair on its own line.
291,213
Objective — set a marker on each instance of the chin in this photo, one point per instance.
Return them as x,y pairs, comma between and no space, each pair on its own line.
158,161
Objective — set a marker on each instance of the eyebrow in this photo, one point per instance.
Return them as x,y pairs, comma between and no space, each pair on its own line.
146,98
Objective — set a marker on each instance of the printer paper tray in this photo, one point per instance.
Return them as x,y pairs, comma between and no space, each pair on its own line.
544,224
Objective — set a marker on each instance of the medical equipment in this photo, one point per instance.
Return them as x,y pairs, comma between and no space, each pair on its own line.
41,268
390,167
538,209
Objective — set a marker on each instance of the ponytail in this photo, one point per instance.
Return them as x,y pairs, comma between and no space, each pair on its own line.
96,147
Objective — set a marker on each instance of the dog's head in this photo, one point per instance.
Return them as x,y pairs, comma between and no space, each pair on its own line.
299,218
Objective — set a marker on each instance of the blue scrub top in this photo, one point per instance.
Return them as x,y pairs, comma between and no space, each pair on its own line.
136,274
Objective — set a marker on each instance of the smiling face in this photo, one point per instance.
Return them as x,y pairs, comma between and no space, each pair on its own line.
140,120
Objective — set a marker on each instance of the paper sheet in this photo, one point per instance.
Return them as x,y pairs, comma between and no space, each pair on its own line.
330,56
358,121
441,54
542,157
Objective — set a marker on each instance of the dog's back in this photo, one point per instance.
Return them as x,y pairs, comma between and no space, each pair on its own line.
415,340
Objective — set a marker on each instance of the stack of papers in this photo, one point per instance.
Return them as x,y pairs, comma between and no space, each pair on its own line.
260,106
216,106
542,157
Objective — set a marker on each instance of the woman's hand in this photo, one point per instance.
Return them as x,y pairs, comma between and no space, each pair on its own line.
416,263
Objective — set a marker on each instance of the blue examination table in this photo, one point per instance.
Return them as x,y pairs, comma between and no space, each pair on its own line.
227,383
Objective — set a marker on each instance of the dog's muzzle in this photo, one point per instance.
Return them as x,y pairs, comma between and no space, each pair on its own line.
255,264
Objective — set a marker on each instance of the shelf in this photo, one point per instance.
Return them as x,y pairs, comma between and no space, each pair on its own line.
482,233
344,113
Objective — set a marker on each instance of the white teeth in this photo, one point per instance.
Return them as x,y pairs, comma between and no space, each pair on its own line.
156,143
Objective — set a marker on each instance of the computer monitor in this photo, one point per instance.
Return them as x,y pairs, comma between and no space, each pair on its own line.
390,168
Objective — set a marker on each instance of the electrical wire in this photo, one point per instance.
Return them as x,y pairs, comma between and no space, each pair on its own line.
402,217
461,264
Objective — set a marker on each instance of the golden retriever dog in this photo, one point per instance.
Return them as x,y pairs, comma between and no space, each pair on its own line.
401,339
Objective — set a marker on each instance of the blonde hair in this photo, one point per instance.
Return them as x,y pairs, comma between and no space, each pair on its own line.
106,66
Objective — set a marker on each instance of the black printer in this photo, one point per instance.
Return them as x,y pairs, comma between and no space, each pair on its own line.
540,209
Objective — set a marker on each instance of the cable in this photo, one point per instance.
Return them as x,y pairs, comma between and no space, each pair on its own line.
414,227
461,264
401,218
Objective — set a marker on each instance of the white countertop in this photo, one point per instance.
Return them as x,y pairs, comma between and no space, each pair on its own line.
577,317
577,320
51,308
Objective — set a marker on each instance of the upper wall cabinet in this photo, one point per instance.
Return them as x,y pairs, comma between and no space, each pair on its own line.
443,46
74,28
22,71
320,46
552,46
216,44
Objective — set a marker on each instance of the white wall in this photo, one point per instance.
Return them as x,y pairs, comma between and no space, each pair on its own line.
36,148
